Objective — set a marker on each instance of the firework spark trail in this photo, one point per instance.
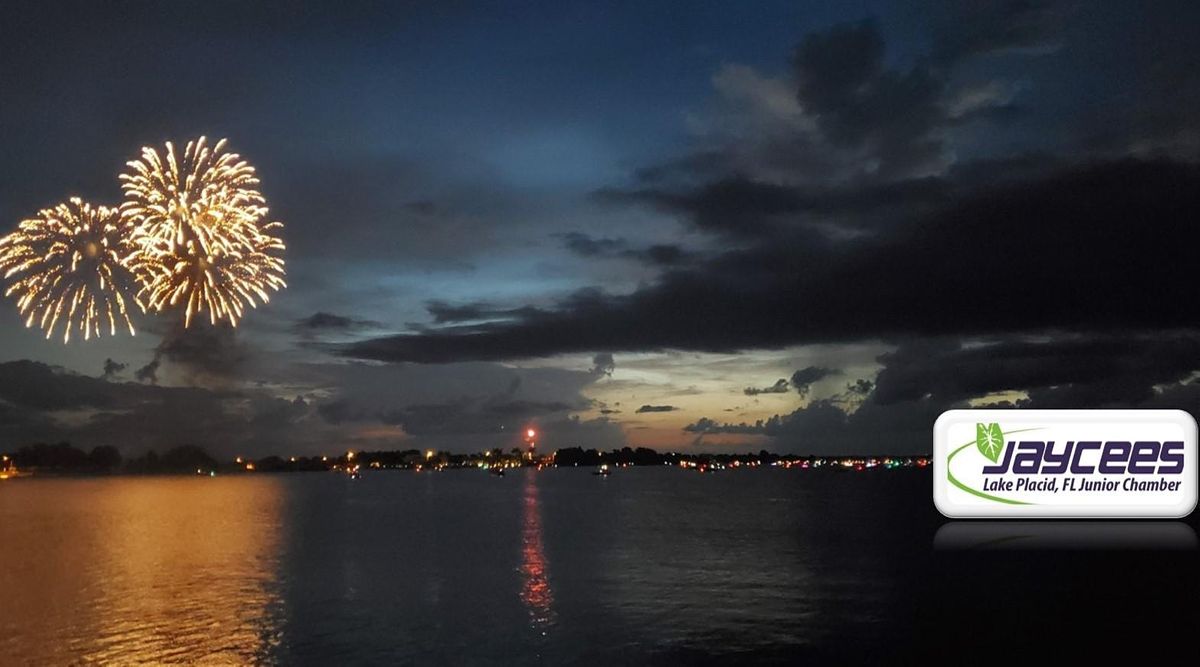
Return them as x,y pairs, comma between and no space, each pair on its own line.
68,264
200,232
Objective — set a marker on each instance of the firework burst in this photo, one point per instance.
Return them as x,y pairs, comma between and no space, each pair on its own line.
200,231
68,265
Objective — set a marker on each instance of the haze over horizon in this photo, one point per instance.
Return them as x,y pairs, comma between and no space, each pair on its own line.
692,227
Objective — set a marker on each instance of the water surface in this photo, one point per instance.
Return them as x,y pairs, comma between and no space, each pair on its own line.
648,566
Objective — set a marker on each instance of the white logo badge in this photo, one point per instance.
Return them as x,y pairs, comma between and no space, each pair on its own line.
1065,463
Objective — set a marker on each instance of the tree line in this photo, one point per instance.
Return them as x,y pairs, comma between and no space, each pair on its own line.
66,458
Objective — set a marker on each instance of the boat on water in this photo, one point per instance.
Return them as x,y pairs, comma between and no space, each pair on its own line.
8,470
603,470
498,472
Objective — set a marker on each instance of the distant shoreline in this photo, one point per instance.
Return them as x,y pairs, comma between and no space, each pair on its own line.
63,460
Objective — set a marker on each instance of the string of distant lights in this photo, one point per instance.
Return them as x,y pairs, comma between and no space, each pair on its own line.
192,234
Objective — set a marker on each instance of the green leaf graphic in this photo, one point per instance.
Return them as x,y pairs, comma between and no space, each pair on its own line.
990,440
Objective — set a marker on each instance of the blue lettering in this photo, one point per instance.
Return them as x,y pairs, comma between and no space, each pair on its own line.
1032,457
1114,452
1060,461
1029,458
1144,451
1002,467
1172,452
1080,447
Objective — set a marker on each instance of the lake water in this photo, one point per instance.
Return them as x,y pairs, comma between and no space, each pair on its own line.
648,566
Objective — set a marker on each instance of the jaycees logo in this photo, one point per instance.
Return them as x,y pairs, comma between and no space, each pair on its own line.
1063,463
1036,466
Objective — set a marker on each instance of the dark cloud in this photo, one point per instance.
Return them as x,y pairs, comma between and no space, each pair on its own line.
855,394
781,386
824,427
149,372
1147,109
810,374
862,104
898,426
965,29
923,378
112,369
851,114
135,417
736,206
978,266
662,254
704,425
804,378
743,209
658,254
37,386
586,246
445,313
709,163
456,408
603,364
656,408
207,348
202,354
1079,370
321,321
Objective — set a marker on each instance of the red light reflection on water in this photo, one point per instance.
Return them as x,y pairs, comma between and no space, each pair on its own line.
535,586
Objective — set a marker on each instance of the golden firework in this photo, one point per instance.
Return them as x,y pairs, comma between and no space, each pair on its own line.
221,281
200,230
68,265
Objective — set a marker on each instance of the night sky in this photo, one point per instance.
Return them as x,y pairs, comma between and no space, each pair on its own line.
801,227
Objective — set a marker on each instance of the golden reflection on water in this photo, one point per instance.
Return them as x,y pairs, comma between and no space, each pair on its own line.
535,586
139,570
